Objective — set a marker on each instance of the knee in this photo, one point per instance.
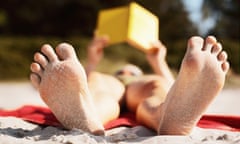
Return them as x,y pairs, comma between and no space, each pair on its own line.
138,91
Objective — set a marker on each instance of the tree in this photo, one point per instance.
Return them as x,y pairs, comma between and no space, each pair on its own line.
67,17
226,14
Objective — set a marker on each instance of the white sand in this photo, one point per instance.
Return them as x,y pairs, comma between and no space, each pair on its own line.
17,131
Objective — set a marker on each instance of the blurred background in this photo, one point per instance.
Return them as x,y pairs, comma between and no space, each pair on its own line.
27,24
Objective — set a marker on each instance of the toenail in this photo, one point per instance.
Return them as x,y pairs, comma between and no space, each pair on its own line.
63,45
216,48
222,56
211,39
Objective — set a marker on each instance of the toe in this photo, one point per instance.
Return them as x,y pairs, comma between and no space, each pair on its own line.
48,51
225,66
217,48
195,43
42,60
65,51
35,79
209,43
36,68
222,56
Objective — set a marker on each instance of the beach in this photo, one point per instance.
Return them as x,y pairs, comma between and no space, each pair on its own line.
16,131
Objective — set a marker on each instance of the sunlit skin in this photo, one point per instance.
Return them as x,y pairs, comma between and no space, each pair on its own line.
201,78
90,100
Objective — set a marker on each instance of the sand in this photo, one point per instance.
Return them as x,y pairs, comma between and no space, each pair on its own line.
16,131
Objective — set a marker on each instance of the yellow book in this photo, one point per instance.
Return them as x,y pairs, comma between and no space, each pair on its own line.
133,24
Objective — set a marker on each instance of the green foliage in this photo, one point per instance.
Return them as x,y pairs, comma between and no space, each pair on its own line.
226,14
233,50
78,17
25,25
3,19
16,54
176,51
227,28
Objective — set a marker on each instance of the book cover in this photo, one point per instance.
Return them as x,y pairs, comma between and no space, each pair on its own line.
132,23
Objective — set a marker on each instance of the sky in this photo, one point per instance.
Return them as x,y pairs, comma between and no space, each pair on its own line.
194,8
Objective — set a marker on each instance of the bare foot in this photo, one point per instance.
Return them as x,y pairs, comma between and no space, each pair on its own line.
62,83
201,78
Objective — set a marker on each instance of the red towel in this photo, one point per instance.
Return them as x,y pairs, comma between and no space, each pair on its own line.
44,116
35,114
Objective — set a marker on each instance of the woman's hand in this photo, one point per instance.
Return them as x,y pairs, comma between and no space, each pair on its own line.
95,52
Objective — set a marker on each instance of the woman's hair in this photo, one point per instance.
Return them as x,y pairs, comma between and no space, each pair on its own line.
131,69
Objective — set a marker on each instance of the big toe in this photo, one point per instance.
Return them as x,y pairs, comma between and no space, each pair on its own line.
195,43
65,51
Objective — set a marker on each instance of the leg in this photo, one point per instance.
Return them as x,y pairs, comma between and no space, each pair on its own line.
159,64
200,79
144,87
62,83
144,97
107,92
